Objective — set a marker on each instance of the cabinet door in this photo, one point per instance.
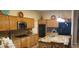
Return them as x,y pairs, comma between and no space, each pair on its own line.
17,43
33,40
42,21
19,19
4,23
30,22
13,22
52,23
36,38
25,42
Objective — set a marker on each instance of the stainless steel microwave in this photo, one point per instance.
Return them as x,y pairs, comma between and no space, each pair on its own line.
21,25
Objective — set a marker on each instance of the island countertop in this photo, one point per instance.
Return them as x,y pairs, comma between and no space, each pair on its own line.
58,39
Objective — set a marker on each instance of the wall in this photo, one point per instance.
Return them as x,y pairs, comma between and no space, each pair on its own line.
28,13
72,29
76,14
59,13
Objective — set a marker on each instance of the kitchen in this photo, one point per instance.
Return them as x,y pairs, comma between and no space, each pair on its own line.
35,28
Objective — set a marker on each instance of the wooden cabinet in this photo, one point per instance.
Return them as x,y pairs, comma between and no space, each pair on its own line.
52,23
21,42
29,41
26,42
44,44
4,23
42,21
49,23
13,22
30,22
33,40
17,42
19,19
10,22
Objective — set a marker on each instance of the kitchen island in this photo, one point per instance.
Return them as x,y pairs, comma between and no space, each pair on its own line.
57,41
29,41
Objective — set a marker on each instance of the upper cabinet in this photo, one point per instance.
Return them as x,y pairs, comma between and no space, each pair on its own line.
52,23
29,22
48,22
4,23
13,22
43,21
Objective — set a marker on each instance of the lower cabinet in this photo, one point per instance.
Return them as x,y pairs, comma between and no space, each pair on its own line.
44,44
17,43
32,40
35,39
26,42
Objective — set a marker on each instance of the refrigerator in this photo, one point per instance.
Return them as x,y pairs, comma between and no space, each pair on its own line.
41,30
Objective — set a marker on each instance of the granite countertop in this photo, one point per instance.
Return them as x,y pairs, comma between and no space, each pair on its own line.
23,35
6,43
58,39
